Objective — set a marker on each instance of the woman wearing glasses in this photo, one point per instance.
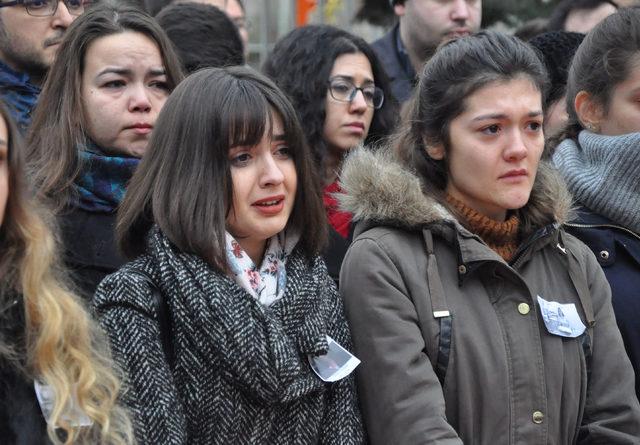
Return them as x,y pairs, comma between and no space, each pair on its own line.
114,71
343,99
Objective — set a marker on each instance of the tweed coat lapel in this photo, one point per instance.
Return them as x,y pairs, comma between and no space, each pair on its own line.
262,349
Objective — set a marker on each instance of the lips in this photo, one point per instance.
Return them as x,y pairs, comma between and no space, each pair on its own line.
459,32
271,205
141,128
516,173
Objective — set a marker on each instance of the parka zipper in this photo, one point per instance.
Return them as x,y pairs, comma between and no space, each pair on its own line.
607,226
542,233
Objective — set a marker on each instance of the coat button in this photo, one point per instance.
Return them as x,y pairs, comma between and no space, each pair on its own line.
538,417
523,308
462,269
604,254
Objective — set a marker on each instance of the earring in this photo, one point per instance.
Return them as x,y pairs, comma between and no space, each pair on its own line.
592,128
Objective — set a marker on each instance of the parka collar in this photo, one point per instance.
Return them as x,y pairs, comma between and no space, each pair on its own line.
379,190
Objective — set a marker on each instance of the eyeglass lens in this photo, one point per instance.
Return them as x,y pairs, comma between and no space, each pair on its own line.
346,91
49,7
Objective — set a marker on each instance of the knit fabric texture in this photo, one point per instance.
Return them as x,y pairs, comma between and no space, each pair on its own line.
240,373
556,50
602,174
501,237
103,181
19,95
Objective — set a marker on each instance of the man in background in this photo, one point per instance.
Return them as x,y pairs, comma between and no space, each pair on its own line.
30,35
422,26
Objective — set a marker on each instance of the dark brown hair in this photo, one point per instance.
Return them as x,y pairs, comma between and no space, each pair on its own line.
457,70
59,122
603,60
183,183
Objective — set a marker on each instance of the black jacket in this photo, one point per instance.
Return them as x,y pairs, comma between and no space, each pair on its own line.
402,77
21,420
90,248
618,252
239,372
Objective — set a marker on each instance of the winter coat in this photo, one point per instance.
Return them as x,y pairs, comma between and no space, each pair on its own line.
90,248
401,77
618,252
240,372
453,347
21,420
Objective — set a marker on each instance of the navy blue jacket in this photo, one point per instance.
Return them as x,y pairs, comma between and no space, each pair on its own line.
401,75
618,252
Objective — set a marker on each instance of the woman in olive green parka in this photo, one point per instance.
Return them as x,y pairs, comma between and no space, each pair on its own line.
477,319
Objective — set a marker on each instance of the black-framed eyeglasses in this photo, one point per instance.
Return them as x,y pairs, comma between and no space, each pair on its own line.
46,8
344,90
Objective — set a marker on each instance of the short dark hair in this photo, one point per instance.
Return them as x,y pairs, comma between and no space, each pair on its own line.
203,35
59,121
603,60
301,63
564,8
183,183
457,70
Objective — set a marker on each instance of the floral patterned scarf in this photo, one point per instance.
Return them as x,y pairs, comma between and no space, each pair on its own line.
267,283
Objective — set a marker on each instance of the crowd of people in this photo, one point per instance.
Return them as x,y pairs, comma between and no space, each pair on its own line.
432,238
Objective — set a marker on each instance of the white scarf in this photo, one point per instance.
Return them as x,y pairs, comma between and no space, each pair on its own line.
266,284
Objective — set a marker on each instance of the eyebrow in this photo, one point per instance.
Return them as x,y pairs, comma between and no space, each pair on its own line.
350,78
503,116
278,137
128,72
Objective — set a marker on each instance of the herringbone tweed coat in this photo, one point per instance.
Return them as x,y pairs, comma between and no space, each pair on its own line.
240,373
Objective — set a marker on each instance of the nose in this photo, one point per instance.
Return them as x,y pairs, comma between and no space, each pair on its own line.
139,100
271,174
517,148
358,104
460,11
62,18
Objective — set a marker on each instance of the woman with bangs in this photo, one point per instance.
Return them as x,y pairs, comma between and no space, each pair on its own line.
56,382
222,216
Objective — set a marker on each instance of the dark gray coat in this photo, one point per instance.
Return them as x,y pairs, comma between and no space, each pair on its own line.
240,372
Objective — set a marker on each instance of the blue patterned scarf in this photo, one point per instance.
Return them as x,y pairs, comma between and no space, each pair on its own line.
19,95
103,182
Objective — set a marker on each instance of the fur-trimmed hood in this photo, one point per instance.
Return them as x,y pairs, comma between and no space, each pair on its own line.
380,190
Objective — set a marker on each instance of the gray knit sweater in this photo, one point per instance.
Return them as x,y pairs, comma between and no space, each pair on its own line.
240,373
603,174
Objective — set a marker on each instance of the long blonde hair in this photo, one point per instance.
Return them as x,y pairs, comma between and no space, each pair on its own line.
64,348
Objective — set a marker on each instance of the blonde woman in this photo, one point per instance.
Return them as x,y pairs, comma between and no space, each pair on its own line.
56,384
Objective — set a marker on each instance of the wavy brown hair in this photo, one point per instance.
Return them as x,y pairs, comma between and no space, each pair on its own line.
62,347
59,121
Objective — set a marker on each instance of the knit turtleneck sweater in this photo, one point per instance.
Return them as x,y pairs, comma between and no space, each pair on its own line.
602,174
501,237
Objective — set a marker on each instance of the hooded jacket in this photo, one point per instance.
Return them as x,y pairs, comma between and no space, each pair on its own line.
453,346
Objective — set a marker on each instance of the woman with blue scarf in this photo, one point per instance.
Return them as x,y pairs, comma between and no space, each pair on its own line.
92,124
599,158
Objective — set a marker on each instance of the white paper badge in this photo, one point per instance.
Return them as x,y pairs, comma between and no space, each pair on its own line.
72,414
561,319
336,364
